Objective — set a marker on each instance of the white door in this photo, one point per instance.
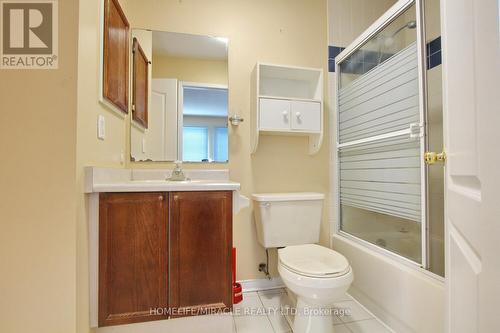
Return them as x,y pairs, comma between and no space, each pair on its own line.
471,90
164,110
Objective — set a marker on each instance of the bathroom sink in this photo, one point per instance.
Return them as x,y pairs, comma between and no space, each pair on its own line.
188,181
155,180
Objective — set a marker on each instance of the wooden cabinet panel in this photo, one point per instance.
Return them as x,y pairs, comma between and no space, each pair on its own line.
133,257
200,251
140,85
115,55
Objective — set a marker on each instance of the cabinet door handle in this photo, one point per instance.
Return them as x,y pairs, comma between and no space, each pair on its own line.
160,198
285,115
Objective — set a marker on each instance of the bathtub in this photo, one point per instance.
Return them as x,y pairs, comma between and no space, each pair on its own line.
406,297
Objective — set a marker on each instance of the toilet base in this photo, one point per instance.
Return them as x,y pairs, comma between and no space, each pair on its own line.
311,318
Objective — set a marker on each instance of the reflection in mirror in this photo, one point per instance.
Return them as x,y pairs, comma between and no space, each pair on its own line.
185,114
204,128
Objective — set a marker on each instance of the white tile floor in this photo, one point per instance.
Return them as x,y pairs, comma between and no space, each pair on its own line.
260,313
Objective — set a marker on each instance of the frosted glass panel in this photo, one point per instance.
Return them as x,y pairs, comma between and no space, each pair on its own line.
383,100
379,144
382,176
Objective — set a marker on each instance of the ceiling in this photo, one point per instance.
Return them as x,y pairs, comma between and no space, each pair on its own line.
174,44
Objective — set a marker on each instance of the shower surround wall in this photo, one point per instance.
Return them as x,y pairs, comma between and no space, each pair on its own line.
407,299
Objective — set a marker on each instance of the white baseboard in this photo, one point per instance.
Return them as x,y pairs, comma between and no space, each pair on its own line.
261,284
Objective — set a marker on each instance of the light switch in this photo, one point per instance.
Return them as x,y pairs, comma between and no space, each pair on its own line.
101,127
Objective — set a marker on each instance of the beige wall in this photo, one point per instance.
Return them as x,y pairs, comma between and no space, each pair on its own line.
349,18
90,150
190,70
432,19
37,201
277,31
256,33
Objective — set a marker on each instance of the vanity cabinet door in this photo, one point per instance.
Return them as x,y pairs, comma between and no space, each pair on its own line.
115,55
133,257
200,251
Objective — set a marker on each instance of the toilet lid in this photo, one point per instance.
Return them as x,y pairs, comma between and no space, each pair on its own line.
313,260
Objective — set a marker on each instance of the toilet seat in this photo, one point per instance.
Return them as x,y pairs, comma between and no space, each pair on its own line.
313,260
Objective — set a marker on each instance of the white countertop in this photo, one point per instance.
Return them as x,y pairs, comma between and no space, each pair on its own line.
143,180
166,186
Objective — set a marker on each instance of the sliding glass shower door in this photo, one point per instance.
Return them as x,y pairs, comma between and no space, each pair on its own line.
381,137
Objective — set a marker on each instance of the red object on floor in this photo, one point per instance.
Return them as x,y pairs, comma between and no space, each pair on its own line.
237,290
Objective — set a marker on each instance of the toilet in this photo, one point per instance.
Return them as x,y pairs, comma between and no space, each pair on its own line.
317,275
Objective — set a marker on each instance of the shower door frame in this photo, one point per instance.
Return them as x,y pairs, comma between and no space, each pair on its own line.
387,18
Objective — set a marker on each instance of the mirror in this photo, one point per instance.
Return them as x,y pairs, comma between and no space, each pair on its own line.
179,97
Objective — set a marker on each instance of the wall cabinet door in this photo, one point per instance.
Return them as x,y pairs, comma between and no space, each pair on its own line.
115,55
200,251
306,116
140,84
274,114
133,257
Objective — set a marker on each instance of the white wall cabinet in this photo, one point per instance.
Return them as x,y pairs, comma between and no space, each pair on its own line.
287,101
280,115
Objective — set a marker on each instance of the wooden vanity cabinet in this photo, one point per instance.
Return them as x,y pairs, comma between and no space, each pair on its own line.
133,257
163,250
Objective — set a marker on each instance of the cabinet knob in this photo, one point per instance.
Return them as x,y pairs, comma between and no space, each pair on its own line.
160,198
285,113
298,115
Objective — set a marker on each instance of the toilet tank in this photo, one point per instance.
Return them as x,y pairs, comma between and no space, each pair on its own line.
284,219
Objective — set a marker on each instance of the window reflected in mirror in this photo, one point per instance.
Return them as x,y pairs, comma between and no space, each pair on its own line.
204,116
187,98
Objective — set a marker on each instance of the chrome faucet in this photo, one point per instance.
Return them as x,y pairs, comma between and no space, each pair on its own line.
177,174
